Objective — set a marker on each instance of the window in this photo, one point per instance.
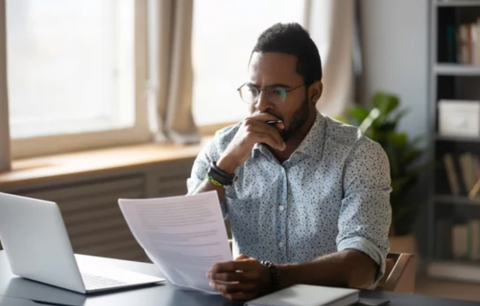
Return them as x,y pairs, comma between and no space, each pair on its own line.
224,34
71,74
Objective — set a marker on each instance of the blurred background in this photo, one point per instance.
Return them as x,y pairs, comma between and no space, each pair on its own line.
101,99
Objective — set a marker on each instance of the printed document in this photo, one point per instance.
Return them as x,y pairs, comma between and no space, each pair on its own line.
184,236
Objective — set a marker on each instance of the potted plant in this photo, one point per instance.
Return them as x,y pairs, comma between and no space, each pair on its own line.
380,122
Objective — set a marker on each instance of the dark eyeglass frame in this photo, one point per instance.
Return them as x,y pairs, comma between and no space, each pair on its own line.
265,89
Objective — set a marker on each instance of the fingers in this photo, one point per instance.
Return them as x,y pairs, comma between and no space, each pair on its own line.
242,279
233,288
232,266
239,296
240,286
228,277
262,132
242,256
244,276
263,117
269,140
253,130
263,122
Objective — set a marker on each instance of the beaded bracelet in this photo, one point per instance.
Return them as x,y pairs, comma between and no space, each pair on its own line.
273,273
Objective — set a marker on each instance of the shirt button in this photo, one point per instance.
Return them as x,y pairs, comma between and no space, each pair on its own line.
281,207
280,244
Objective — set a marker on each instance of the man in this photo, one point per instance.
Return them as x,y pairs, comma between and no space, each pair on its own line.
307,196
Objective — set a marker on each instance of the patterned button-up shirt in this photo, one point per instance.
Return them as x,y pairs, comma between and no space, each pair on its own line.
332,194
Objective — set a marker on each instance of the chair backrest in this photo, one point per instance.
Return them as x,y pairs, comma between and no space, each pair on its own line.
399,273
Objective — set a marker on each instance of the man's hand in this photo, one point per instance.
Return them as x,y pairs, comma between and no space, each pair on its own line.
243,279
253,130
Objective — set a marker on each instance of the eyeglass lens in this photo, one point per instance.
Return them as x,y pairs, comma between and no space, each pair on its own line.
250,94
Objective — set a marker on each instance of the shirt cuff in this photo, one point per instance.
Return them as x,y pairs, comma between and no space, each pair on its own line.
366,246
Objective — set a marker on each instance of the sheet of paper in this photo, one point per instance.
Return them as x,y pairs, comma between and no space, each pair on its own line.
184,236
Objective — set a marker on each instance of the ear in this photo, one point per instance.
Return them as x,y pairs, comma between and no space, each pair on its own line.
315,92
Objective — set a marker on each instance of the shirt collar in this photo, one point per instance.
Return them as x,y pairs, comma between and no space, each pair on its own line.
311,145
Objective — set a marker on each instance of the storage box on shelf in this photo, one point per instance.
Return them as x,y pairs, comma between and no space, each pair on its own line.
459,118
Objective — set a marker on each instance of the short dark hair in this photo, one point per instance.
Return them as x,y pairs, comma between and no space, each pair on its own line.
291,38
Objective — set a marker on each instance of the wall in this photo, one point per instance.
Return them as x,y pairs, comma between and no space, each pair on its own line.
395,57
395,46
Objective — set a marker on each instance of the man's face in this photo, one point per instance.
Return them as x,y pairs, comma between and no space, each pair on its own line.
267,69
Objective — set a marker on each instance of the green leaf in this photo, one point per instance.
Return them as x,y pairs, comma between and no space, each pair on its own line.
397,184
400,115
398,140
404,216
411,156
385,102
341,118
367,123
358,112
418,140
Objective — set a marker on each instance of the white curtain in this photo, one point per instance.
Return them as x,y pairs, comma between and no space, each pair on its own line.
331,26
329,22
4,126
170,71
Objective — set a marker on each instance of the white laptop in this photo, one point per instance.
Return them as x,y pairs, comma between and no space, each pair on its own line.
36,243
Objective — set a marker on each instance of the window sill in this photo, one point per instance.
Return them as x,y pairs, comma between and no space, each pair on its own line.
63,166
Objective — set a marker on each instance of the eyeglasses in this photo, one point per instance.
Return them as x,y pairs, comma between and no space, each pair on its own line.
276,94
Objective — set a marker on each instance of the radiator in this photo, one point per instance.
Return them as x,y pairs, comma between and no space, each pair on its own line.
90,208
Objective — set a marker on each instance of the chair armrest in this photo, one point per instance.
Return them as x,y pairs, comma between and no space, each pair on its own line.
402,276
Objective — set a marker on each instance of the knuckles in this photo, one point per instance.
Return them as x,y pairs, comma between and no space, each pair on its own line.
248,122
256,275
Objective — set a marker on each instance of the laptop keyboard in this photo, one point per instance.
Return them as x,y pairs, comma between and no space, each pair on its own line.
97,282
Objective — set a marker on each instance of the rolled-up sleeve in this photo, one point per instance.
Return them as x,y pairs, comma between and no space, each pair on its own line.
200,168
365,213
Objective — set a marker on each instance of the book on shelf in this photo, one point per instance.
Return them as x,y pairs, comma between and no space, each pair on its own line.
474,239
465,240
460,241
443,238
476,165
463,43
451,44
468,171
451,174
463,46
463,173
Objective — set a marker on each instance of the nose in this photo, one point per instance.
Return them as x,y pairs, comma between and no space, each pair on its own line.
263,103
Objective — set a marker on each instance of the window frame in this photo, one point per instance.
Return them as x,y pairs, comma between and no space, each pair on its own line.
139,133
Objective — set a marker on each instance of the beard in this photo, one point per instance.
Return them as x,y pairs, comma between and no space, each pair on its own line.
299,118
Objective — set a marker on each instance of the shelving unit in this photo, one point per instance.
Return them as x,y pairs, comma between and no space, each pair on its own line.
457,138
453,82
456,70
457,3
449,199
